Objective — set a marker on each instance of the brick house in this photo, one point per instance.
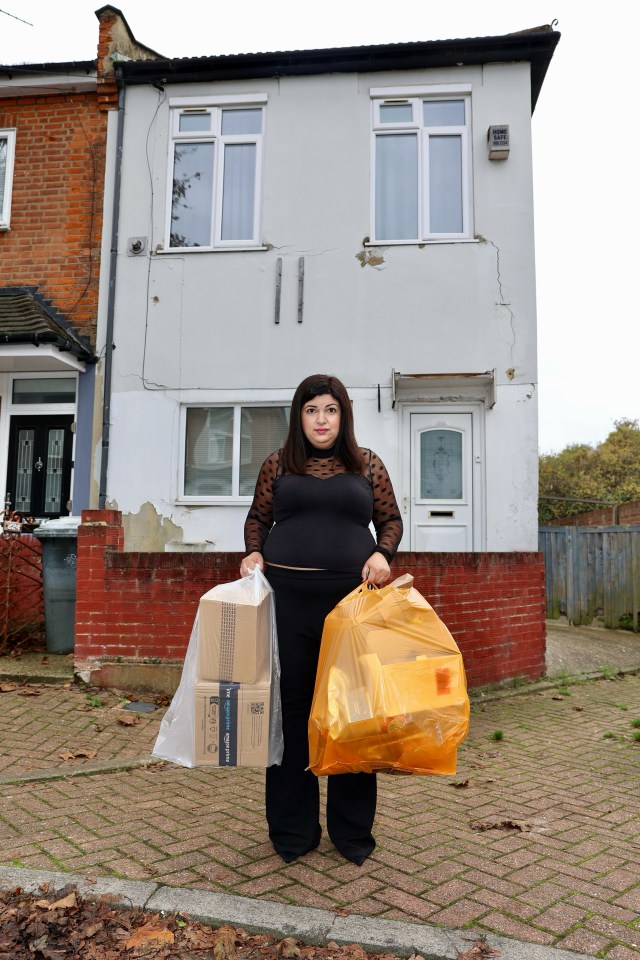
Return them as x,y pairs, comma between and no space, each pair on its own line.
53,131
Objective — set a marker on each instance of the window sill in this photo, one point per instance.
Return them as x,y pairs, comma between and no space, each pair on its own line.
214,501
419,243
161,252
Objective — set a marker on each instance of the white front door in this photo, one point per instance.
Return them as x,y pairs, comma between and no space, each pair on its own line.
441,481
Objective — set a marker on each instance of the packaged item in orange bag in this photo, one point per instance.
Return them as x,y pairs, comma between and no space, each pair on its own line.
390,691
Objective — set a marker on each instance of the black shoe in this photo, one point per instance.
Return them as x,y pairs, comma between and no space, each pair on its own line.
290,855
358,857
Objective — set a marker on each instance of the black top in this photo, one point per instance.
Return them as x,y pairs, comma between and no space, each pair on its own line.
322,518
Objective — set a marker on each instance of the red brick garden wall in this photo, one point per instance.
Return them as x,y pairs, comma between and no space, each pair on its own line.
494,606
142,605
629,513
622,514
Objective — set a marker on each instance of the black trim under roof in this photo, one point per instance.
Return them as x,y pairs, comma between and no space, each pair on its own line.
26,317
535,46
38,69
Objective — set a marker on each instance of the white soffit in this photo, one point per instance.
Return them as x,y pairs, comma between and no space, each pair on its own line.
27,358
21,85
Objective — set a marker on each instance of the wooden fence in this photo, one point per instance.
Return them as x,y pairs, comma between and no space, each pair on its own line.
592,572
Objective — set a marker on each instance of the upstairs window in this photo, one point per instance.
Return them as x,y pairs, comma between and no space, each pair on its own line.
422,168
215,173
7,153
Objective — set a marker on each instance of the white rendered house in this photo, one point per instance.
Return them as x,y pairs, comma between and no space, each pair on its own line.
365,212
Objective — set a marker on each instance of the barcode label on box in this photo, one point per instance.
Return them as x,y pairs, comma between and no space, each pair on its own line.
227,640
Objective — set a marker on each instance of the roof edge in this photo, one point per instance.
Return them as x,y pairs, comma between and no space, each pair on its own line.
62,333
536,45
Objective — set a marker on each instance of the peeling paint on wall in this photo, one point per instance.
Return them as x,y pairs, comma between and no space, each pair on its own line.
369,259
147,531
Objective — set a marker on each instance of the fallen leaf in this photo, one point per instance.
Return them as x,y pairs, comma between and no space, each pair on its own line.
197,937
225,943
498,824
288,948
128,719
149,933
69,901
577,709
557,696
354,950
8,687
28,691
85,752
91,929
479,950
460,785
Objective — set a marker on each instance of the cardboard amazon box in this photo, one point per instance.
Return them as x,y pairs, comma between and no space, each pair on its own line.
234,636
232,724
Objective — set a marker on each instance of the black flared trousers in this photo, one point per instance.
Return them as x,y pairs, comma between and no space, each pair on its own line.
302,601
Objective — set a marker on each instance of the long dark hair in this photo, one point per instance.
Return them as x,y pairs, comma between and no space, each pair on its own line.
296,449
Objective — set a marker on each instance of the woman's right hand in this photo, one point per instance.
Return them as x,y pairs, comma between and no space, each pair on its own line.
249,563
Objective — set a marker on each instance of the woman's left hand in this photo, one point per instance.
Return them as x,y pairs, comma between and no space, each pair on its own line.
376,569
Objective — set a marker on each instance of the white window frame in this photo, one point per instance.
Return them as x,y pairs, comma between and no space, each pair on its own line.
416,96
214,106
8,134
38,409
234,497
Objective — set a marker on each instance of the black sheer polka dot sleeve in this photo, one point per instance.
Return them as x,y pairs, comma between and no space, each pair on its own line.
386,513
260,517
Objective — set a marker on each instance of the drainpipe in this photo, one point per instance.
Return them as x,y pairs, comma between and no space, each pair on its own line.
111,296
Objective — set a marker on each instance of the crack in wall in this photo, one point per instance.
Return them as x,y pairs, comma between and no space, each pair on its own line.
503,303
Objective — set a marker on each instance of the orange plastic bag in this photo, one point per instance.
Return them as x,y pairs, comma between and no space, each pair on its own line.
390,691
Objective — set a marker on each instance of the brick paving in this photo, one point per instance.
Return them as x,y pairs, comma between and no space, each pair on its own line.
537,836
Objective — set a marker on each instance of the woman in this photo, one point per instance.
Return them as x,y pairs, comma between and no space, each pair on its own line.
308,530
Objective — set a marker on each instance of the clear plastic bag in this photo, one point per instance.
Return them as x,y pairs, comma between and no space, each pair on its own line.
390,691
180,738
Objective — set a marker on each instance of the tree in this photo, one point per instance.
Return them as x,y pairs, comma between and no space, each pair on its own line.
581,474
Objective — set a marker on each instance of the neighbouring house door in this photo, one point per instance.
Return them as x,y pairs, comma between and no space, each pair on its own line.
441,499
39,466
